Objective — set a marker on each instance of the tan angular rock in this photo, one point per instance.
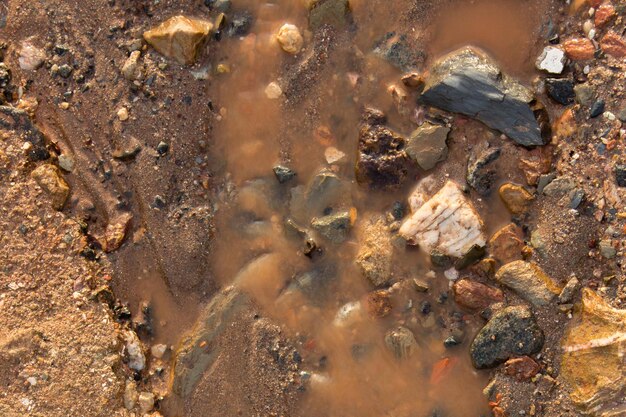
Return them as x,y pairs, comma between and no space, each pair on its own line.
116,232
593,367
529,281
506,244
447,223
516,198
51,180
179,37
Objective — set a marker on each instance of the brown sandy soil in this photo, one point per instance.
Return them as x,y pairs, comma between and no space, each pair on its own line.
173,200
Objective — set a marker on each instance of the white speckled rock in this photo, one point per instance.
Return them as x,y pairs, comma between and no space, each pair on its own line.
551,60
447,222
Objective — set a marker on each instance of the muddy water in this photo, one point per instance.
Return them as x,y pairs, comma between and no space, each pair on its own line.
351,370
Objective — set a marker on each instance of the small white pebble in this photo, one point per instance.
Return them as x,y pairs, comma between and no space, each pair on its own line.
609,115
273,91
592,11
32,381
451,274
333,155
586,69
158,350
592,34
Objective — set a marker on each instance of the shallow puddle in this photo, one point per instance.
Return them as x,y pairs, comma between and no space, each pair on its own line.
323,300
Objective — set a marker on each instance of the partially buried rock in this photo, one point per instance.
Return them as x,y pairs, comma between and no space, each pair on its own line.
397,49
447,223
198,349
31,57
468,82
329,12
579,49
283,173
382,161
529,281
427,145
179,37
401,342
475,296
516,198
593,361
506,244
481,172
51,180
116,232
536,163
375,253
523,368
334,227
512,331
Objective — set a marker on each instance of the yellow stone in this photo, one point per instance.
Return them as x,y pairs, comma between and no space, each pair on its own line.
179,37
516,198
51,180
290,39
593,360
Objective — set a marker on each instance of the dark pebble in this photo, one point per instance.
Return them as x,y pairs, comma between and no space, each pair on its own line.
426,307
283,174
560,90
451,342
620,175
65,70
240,25
398,210
597,109
163,148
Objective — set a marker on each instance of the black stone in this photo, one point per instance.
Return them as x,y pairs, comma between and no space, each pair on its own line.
283,174
560,90
620,175
451,342
240,25
481,174
473,255
426,307
468,82
396,49
512,331
597,109
163,148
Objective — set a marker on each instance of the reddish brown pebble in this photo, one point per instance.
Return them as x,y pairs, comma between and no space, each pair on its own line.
116,232
614,45
604,13
522,368
579,49
506,244
498,412
474,295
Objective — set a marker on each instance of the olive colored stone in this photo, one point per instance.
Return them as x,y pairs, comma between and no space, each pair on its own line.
529,281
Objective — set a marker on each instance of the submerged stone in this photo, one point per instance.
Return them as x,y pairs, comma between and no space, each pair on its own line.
401,342
481,173
329,12
382,161
334,227
375,253
198,350
447,223
396,49
512,331
468,82
427,145
593,367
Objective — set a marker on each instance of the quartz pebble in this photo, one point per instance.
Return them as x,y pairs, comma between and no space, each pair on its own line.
273,91
552,60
